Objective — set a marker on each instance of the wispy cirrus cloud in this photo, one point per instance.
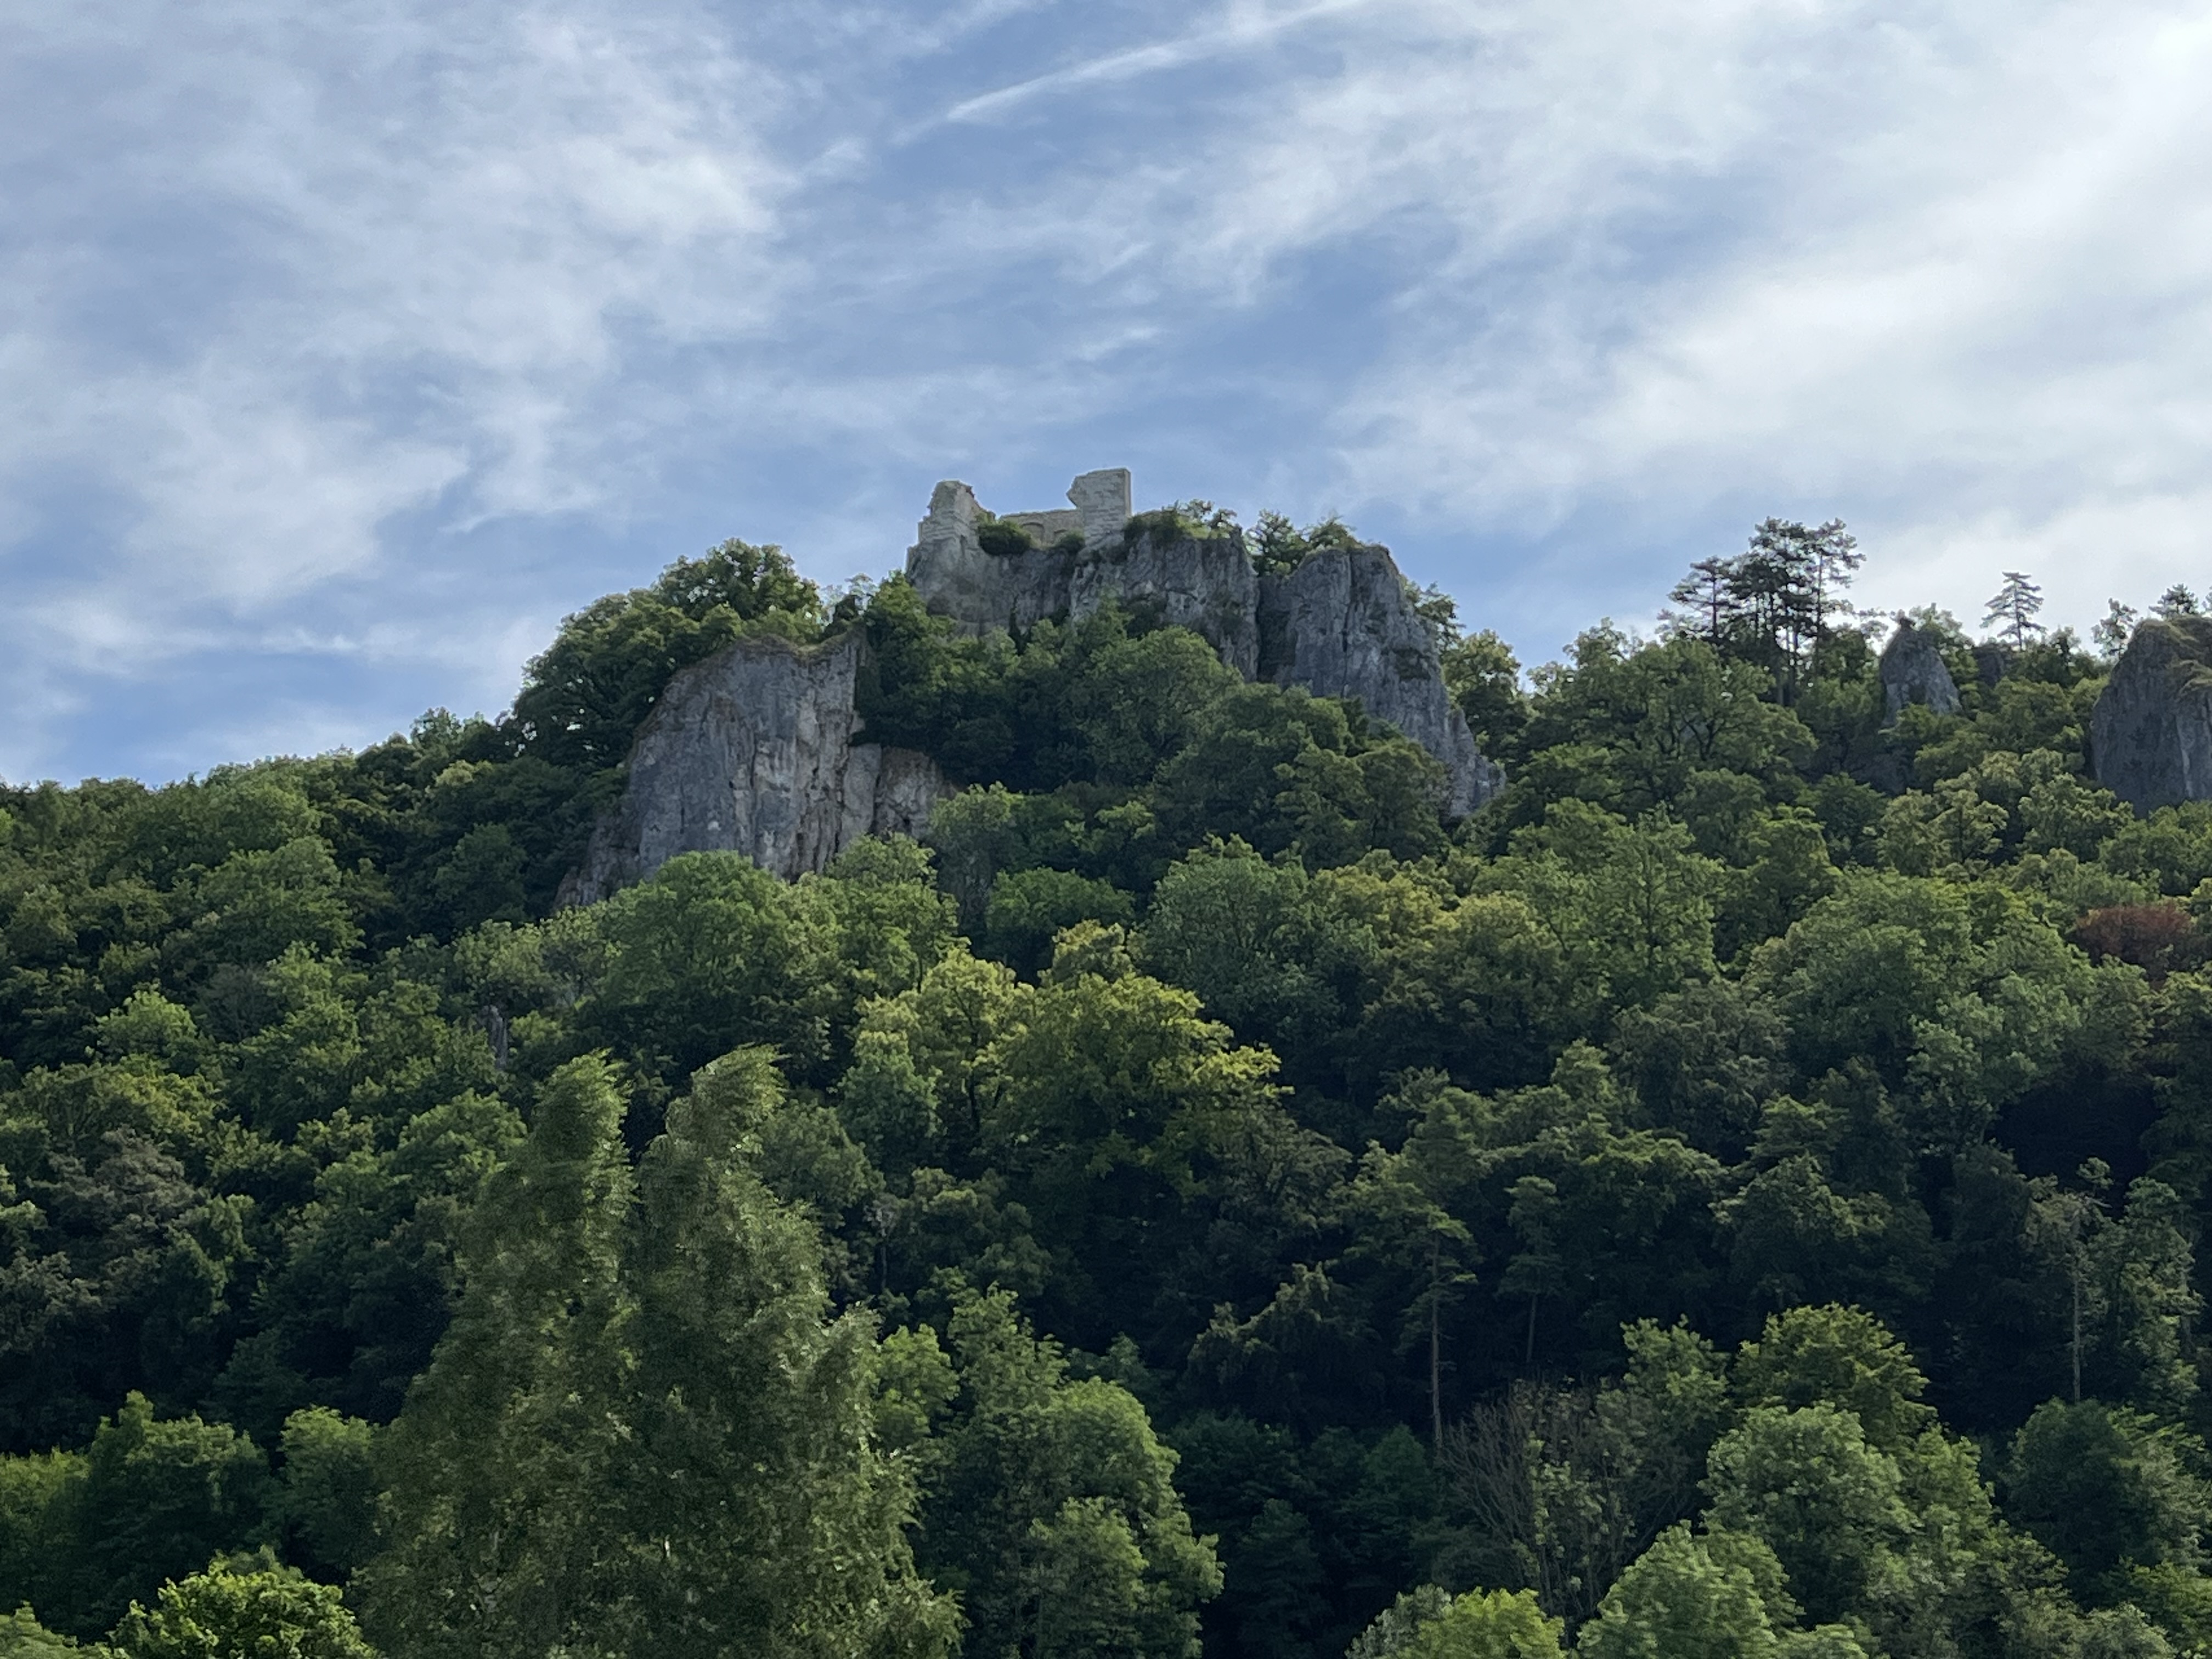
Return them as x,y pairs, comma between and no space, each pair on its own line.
1240,27
349,347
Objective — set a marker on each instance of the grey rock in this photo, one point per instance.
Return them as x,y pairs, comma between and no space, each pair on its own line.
2150,735
1342,624
752,751
981,590
1204,583
1913,671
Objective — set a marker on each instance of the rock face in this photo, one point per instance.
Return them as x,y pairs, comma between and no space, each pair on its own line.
2150,736
1913,671
1204,583
1342,625
982,591
752,751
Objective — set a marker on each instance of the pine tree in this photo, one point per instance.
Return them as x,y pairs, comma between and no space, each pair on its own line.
1772,604
2012,612
2175,601
1707,596
2112,634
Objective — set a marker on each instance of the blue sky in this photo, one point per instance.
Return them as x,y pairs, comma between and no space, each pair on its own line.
346,347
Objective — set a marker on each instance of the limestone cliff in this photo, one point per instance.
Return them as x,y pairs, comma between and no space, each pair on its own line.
1204,583
752,751
1913,671
2150,736
1079,559
1342,624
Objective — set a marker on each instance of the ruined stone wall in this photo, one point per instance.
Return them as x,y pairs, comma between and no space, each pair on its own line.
1341,625
981,590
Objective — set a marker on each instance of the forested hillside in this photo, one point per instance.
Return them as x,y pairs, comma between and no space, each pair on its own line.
1736,1195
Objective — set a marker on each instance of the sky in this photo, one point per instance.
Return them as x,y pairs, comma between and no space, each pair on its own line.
345,347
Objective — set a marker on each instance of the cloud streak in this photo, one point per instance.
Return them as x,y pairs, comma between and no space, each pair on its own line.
352,347
1245,27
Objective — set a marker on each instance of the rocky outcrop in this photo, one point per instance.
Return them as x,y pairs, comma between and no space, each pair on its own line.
2150,735
981,590
1913,671
1342,624
752,751
1204,583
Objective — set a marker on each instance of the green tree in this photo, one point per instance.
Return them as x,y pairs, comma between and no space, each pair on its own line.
701,959
2112,634
1125,1116
2108,1490
1567,1486
496,1468
1138,703
584,697
1715,1596
1840,1357
1052,1506
1964,997
2012,612
1242,931
1770,605
1805,1482
160,1496
1484,678
640,1433
1027,907
1628,725
755,1512
1633,902
328,1504
223,1614
1496,1624
22,1636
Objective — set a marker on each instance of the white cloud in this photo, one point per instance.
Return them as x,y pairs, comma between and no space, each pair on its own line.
1240,28
1945,269
411,242
1957,287
309,304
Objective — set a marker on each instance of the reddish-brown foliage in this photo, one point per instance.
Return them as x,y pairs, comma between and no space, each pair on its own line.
2158,939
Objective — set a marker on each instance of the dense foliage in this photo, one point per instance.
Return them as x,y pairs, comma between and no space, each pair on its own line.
1736,1195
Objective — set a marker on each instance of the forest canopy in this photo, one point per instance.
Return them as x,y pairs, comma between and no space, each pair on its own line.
1736,1193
